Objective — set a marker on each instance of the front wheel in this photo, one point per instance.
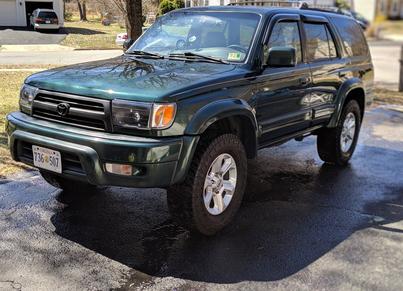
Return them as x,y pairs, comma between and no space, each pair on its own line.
212,193
337,145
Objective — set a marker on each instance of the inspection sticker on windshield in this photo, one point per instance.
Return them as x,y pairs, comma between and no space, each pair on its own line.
234,56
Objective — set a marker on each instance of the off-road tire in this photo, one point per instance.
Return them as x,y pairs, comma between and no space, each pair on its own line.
328,142
185,201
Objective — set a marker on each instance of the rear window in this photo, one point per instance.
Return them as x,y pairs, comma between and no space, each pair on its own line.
45,14
352,37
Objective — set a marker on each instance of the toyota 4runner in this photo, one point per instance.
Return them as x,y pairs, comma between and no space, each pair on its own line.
195,97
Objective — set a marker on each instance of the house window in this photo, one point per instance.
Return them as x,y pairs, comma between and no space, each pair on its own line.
395,7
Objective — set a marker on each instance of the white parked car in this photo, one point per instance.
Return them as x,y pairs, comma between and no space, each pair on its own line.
121,38
44,19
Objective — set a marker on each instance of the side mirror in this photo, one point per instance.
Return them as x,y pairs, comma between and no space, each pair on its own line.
127,44
282,57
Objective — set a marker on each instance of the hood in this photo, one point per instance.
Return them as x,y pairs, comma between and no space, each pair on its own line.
128,78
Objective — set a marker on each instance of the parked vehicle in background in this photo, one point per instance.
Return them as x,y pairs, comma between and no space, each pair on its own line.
44,19
364,23
121,38
195,97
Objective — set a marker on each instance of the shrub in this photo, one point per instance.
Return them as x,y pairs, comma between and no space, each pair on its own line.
169,5
68,16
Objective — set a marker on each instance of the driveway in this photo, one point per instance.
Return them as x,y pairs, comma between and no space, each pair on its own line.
306,226
25,36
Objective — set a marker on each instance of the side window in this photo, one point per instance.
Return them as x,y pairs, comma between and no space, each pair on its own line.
352,37
320,44
286,34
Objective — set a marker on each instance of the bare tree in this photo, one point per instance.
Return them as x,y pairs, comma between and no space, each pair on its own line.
82,9
133,11
134,18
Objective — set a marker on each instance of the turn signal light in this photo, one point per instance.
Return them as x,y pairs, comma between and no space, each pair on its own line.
163,115
119,169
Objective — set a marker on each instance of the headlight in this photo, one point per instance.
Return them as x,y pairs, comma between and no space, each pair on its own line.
27,96
141,115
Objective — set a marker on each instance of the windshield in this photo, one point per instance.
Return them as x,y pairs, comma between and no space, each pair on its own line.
226,36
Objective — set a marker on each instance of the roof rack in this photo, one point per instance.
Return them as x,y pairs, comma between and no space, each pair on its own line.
270,3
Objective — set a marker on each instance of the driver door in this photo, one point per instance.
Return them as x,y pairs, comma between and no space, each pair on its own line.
284,92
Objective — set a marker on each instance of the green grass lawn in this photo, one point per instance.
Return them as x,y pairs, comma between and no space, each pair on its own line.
11,82
91,35
392,26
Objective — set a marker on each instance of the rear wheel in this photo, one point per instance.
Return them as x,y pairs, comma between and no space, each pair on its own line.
212,193
337,145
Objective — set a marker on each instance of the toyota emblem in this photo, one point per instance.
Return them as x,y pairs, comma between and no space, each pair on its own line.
63,109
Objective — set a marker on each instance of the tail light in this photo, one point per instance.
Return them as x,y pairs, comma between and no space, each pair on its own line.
124,36
39,20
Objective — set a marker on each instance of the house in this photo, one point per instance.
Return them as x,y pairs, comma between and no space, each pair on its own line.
380,9
17,12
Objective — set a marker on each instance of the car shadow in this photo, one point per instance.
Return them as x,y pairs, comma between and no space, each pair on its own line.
295,213
80,30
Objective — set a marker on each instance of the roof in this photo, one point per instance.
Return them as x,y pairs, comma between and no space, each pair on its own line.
264,10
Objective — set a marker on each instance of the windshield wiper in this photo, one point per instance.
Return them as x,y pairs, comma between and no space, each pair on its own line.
145,54
193,56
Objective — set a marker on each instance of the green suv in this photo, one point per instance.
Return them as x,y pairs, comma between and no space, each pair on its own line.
195,97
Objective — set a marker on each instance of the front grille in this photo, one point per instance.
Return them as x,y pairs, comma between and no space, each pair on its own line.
71,163
83,111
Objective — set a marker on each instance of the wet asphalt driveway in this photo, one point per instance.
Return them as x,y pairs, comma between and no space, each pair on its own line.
306,226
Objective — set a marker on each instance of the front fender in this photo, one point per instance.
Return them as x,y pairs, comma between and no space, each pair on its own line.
345,89
217,110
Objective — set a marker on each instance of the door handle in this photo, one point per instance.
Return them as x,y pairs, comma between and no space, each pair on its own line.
304,81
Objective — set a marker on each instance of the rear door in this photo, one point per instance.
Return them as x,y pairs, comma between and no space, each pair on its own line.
283,93
327,66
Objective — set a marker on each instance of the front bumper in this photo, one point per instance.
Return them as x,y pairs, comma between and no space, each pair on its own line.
162,162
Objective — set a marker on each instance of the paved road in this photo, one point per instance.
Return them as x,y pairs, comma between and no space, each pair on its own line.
24,36
307,226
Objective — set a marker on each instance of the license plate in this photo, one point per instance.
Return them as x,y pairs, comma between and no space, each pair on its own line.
47,21
47,159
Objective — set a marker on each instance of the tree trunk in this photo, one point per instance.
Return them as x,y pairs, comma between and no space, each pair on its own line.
84,18
80,9
134,19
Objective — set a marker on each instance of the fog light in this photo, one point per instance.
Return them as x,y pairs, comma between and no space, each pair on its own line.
119,169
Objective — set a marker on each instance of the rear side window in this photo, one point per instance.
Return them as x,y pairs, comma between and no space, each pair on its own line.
44,14
286,34
320,44
352,37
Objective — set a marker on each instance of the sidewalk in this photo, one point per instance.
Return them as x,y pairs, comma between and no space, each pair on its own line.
34,47
58,58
